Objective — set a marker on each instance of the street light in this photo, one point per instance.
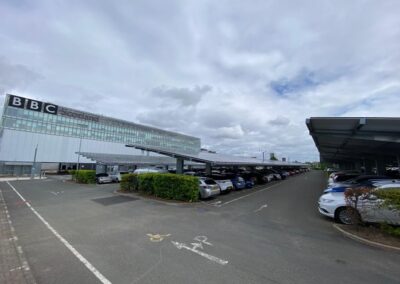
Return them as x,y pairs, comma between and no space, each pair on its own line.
80,146
33,169
263,155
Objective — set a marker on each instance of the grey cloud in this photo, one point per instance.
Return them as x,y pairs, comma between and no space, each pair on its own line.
141,61
233,132
185,96
280,121
15,76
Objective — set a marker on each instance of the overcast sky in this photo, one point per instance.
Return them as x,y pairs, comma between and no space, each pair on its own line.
241,75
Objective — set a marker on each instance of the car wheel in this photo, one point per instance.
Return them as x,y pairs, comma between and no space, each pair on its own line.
347,215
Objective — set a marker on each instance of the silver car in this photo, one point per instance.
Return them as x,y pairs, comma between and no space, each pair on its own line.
103,178
117,177
208,187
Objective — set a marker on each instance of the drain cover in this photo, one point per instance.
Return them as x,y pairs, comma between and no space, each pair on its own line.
113,200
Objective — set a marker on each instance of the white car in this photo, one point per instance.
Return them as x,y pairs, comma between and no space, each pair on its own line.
226,185
148,170
333,205
117,177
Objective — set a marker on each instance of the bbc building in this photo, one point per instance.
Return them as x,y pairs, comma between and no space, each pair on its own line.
52,135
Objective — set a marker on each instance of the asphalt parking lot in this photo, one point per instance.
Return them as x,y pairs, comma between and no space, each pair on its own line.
270,234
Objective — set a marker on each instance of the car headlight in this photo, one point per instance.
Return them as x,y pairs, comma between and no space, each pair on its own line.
325,200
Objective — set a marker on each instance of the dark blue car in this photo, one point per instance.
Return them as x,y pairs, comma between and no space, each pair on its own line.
238,182
249,183
367,181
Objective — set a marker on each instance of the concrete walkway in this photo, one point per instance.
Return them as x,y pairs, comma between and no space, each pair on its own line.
19,178
14,268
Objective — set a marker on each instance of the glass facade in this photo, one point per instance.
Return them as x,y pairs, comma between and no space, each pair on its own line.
73,123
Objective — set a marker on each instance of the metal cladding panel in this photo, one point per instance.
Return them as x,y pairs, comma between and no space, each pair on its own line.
20,146
356,138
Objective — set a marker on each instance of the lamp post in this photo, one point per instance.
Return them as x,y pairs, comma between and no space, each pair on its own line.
80,146
263,155
33,169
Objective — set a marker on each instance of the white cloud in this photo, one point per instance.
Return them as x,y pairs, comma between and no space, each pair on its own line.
242,76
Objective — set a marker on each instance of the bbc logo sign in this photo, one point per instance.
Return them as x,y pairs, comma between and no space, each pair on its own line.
24,103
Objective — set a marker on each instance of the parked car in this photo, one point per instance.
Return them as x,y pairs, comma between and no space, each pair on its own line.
249,177
277,175
238,182
284,174
117,177
224,183
268,176
333,205
149,170
342,177
249,183
208,188
363,180
103,178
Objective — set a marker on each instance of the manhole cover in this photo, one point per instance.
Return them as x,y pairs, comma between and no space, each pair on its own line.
113,200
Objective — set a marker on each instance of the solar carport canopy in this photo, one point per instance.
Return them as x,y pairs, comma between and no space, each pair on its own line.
216,159
355,138
120,159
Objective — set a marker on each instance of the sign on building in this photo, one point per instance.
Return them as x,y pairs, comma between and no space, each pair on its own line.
34,105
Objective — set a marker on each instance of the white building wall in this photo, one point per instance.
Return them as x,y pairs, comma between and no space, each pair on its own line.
19,146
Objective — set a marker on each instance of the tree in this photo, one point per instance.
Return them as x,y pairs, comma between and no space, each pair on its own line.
353,196
272,157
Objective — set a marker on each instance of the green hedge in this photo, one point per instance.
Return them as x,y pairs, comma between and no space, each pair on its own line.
167,186
390,197
146,183
84,176
129,182
392,230
177,187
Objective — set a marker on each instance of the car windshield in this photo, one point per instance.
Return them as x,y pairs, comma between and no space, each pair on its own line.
209,181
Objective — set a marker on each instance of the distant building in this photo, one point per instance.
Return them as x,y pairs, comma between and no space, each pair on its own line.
60,132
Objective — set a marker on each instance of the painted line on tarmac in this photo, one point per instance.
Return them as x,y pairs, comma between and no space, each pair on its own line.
261,208
88,265
247,195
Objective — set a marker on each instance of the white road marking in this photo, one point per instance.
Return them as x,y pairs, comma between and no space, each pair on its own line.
203,254
88,265
197,245
17,268
56,193
202,239
247,195
14,238
261,208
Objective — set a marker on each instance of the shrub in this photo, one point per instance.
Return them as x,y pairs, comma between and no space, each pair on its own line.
129,182
353,196
392,230
177,187
390,197
85,176
146,183
168,186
